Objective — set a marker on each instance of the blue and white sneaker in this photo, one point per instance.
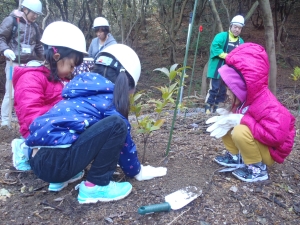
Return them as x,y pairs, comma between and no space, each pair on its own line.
20,160
62,185
229,160
112,192
252,173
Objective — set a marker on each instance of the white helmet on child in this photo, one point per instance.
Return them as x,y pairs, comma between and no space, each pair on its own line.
238,20
100,22
128,58
33,5
64,34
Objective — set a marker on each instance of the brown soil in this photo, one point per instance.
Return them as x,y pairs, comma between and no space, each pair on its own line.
275,201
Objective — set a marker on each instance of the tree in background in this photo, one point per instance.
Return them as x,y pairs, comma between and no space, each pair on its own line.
133,20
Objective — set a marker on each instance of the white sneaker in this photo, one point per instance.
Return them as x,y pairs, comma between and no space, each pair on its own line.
20,160
5,123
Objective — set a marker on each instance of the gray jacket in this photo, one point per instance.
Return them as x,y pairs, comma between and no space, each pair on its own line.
27,36
94,46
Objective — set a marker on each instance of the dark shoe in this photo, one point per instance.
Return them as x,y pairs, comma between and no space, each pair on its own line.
207,109
229,160
252,173
215,107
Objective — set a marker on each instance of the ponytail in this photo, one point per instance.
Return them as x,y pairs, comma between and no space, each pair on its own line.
123,84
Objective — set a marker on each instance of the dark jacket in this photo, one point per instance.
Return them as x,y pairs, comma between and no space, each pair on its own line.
28,36
87,100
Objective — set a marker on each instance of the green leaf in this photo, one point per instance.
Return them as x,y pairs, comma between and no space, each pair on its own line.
159,123
172,75
173,67
172,87
163,70
137,96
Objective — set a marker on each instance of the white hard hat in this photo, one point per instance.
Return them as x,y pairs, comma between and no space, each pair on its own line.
128,58
100,22
238,20
33,5
64,34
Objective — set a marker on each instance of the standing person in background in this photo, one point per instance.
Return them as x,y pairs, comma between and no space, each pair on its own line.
222,44
38,86
103,39
20,38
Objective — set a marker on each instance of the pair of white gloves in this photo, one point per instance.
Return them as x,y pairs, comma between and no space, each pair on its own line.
9,54
149,172
223,123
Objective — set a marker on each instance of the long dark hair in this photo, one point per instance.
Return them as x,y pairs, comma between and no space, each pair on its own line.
64,52
123,84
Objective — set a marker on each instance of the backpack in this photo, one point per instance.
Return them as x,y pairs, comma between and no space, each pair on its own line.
15,30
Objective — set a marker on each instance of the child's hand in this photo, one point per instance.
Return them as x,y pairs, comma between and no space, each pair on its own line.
222,124
222,112
149,172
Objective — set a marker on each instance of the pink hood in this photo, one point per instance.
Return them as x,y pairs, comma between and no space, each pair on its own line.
269,121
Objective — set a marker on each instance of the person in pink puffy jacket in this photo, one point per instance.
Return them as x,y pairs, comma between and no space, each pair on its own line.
38,85
258,130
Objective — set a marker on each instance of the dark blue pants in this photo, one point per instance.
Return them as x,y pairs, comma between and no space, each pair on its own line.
216,92
99,145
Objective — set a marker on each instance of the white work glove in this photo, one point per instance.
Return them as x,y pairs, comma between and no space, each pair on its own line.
9,54
222,124
149,172
222,112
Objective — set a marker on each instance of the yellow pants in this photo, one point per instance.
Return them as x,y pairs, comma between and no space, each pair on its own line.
240,139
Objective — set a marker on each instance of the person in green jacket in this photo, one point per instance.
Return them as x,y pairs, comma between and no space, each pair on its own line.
222,44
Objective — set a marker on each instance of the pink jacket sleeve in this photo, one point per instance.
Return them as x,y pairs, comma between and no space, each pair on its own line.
34,95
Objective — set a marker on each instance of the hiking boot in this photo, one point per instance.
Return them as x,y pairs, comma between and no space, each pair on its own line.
112,192
62,185
252,173
229,160
207,109
20,160
215,107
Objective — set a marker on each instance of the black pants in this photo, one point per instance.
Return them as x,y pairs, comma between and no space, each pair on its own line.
100,145
216,92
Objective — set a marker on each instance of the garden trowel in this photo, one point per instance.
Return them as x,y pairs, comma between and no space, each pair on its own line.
174,201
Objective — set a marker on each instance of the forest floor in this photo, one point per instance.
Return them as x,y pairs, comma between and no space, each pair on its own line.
224,199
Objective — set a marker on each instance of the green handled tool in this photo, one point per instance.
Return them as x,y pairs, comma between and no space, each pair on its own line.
176,200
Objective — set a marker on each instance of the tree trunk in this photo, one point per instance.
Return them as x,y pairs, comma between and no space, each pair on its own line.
47,15
270,42
204,81
219,29
251,11
216,16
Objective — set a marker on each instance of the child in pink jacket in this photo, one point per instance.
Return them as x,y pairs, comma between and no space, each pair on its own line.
259,130
38,85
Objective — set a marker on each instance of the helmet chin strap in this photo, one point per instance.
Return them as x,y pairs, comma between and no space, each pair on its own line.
26,14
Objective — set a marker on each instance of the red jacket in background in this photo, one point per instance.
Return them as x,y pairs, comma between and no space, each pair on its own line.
269,121
34,94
